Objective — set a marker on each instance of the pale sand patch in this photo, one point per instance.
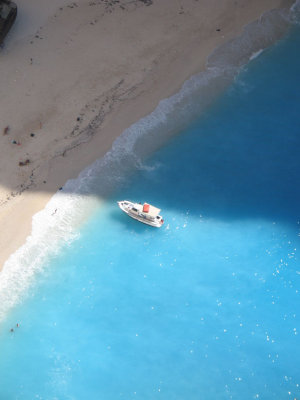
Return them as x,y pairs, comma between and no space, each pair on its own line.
100,65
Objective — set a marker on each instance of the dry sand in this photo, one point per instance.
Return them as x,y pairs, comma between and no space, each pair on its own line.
77,74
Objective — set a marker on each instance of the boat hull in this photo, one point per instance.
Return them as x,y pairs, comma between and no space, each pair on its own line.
135,211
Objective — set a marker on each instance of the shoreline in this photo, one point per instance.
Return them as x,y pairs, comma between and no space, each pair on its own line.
77,109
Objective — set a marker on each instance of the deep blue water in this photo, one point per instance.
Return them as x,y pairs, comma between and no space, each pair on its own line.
207,307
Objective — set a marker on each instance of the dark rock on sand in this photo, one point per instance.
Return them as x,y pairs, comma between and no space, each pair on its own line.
8,13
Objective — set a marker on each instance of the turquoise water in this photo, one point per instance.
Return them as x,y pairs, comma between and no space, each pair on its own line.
207,307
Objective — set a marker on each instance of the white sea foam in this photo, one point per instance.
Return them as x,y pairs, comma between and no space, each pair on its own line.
53,229
255,54
146,167
295,12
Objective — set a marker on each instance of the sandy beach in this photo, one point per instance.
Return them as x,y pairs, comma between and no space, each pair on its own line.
75,75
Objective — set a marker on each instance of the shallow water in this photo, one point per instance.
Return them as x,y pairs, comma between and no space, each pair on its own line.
205,307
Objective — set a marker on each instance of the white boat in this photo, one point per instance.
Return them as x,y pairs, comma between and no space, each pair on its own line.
142,212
